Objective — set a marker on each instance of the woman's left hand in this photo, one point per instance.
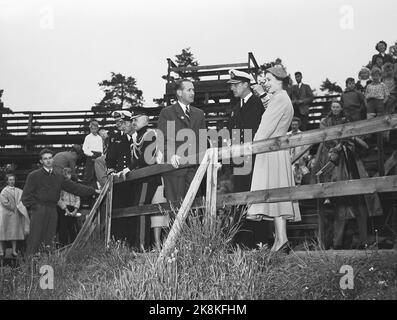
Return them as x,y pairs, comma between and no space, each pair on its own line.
257,89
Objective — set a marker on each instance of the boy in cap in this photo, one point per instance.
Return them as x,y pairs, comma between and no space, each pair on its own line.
245,118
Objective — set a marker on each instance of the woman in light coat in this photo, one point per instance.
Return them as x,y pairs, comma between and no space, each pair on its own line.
11,220
274,169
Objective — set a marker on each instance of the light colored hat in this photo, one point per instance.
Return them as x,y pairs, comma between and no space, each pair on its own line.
137,112
278,71
121,115
240,76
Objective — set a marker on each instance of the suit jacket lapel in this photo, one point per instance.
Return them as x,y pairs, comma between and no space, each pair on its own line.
181,115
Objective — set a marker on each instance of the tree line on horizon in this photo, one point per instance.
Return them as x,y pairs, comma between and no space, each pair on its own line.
122,92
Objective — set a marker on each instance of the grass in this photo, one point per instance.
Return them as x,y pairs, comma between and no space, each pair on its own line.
201,267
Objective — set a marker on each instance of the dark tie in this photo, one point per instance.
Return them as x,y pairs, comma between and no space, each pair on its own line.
242,103
187,112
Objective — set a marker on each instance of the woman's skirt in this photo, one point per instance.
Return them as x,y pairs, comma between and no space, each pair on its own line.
273,170
11,225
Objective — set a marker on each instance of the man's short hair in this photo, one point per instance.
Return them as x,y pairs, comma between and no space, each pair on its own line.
45,151
67,170
298,73
9,175
76,148
296,119
179,84
376,70
349,80
94,123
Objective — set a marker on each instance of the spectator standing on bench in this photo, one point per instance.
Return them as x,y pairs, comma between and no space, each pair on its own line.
376,95
381,47
301,96
389,79
92,148
353,102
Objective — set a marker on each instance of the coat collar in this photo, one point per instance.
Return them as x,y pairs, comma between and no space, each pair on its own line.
181,115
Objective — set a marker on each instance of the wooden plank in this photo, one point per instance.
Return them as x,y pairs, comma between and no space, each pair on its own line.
348,130
377,124
89,225
300,155
184,210
209,67
252,58
212,178
108,219
305,192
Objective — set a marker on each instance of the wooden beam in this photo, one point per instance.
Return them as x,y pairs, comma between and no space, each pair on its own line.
209,67
212,179
342,131
108,217
89,224
300,155
184,210
313,191
348,130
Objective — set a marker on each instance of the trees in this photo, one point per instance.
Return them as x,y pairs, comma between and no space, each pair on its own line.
184,59
121,92
330,87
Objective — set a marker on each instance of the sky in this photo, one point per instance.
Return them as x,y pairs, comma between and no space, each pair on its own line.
54,53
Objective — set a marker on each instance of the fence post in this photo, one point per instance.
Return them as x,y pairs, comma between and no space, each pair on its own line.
184,209
108,215
212,178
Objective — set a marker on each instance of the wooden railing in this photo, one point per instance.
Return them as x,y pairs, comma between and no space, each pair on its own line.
211,160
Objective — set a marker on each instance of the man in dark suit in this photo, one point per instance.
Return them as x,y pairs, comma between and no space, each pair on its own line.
172,119
245,119
301,97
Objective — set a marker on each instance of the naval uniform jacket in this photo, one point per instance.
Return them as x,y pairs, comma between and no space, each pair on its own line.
118,156
246,117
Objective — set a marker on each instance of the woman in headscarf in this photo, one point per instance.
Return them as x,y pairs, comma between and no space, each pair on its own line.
274,169
11,220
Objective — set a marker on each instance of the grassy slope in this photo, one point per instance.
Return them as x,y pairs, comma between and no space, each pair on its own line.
201,268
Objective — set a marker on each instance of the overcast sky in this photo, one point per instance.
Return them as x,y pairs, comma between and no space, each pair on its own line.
53,53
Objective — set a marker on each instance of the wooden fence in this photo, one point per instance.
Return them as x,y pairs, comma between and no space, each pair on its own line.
210,163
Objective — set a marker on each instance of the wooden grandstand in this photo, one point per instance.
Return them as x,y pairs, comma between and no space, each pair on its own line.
24,133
